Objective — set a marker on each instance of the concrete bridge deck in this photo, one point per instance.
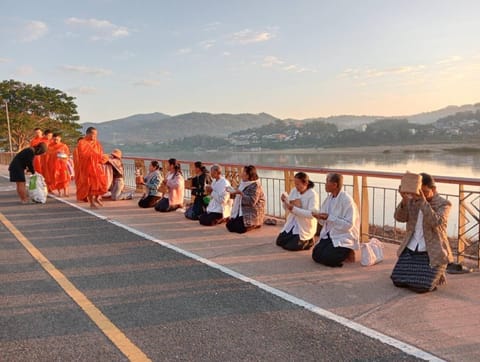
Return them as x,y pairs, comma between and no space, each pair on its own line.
443,324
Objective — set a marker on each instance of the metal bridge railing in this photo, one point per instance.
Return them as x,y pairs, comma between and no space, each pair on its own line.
375,193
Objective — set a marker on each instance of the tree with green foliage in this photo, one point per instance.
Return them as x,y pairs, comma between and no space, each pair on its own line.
32,106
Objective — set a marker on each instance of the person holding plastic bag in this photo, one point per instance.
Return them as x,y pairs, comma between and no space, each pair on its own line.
21,162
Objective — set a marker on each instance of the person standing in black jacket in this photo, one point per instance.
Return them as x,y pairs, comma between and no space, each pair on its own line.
21,162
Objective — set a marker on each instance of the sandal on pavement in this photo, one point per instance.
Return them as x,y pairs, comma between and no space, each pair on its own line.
270,221
457,268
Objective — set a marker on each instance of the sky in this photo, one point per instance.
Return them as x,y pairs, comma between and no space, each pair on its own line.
292,59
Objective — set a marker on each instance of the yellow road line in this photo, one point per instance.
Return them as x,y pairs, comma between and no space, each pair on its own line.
120,340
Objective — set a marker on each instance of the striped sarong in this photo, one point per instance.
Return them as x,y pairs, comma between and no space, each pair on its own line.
413,271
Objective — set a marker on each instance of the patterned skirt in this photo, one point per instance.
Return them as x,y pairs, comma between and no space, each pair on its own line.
413,271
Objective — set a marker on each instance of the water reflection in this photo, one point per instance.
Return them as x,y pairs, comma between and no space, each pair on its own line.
439,163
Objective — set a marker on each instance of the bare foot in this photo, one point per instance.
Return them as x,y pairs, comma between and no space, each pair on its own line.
350,257
99,201
93,206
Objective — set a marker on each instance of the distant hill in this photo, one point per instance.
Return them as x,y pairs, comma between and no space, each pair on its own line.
159,127
346,121
430,117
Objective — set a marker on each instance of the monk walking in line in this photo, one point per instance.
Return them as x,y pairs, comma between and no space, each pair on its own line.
56,174
38,138
90,178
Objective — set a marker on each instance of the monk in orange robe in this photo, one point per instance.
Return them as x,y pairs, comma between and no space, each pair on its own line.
47,138
56,174
37,164
90,178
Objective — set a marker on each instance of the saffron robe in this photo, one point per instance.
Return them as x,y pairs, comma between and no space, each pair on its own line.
90,178
56,172
37,160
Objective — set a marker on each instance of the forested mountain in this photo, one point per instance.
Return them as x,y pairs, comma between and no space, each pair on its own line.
158,127
196,129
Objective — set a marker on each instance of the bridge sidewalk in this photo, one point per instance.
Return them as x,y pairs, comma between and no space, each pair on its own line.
444,323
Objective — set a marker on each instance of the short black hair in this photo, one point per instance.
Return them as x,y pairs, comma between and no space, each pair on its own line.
251,171
155,164
427,180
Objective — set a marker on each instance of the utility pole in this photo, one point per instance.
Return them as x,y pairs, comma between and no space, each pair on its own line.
8,125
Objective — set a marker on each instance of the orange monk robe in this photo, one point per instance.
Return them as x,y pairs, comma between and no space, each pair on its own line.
80,180
43,158
37,163
89,176
56,173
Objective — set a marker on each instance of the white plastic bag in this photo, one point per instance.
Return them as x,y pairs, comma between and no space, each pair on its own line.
371,252
37,189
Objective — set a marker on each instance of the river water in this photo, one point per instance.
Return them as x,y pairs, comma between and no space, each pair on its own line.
440,163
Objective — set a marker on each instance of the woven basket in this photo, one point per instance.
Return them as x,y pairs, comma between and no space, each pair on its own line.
411,183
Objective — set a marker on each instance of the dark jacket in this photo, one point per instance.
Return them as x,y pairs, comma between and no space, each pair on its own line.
23,160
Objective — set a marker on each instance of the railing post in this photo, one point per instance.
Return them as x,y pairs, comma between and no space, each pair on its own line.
356,192
288,177
192,169
461,224
365,212
140,165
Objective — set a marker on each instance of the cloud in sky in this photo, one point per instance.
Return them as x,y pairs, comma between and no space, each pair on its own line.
184,51
146,83
86,70
211,26
24,70
102,29
450,60
82,90
207,44
5,60
357,73
33,30
271,61
248,36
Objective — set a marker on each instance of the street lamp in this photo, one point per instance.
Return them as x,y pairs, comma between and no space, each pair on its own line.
8,125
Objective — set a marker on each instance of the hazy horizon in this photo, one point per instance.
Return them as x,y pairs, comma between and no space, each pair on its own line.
333,115
302,59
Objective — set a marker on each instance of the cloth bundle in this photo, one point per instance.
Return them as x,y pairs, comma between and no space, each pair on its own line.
371,252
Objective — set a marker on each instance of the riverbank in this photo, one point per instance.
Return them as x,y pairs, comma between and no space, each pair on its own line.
435,148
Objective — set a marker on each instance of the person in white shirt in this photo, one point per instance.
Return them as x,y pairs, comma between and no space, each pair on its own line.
340,222
219,207
300,226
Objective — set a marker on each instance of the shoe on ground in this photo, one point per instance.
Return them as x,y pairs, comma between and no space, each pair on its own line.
457,268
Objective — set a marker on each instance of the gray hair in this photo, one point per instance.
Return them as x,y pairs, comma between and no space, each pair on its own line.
337,178
216,167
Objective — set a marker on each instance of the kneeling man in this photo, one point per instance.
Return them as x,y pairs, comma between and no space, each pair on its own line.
340,225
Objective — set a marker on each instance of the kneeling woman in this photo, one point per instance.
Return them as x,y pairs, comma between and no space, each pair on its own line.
300,226
425,252
151,182
176,188
249,205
